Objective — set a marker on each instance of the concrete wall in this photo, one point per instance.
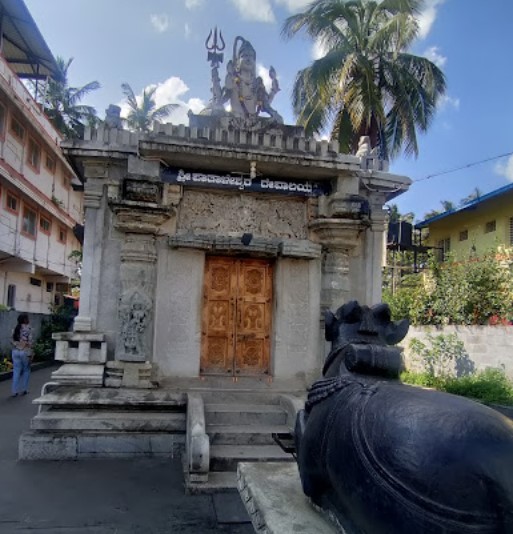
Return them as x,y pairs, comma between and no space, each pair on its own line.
487,346
178,304
8,320
296,315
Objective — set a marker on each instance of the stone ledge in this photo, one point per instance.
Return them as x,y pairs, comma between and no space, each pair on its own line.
53,446
274,499
291,248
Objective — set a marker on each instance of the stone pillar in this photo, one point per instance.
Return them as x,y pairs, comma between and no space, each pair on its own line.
338,237
139,221
92,256
375,249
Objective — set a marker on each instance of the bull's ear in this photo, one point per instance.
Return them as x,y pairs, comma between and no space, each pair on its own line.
396,331
329,325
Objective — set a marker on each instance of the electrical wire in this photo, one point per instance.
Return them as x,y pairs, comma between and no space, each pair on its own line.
467,166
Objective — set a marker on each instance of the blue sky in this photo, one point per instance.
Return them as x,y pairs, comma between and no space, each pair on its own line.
162,42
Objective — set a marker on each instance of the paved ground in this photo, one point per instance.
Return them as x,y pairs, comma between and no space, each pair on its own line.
98,496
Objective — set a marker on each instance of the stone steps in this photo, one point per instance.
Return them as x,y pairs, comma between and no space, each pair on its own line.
240,432
79,397
111,421
245,414
244,434
226,457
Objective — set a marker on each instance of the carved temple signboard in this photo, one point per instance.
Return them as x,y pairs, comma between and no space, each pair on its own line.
244,183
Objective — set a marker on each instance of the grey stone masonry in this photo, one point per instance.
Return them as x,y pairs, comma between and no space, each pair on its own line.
275,501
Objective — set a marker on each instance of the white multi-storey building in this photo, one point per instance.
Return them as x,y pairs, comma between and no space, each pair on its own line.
40,196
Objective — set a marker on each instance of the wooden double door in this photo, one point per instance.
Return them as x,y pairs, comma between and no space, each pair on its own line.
236,325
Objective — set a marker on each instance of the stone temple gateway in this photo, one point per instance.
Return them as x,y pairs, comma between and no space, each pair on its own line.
210,252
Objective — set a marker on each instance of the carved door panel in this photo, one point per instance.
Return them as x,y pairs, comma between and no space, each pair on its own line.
236,317
254,304
217,343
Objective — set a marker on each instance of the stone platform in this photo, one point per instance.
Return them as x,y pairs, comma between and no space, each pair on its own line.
274,499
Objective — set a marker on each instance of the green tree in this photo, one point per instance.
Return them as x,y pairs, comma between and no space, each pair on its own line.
476,193
142,115
367,83
61,103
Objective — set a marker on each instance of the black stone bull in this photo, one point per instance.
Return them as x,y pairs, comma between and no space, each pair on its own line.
383,457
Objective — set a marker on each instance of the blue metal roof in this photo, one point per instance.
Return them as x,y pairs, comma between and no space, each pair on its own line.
469,206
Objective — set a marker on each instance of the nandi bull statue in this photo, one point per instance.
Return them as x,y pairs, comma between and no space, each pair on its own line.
382,457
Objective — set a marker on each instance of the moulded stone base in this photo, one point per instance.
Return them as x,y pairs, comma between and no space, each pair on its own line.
48,446
128,374
82,374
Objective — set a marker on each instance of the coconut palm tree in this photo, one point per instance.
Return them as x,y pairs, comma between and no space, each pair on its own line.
367,83
476,193
61,102
141,115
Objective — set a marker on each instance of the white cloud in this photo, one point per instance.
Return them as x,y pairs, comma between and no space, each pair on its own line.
294,5
433,54
193,4
505,169
160,22
260,11
263,72
447,101
318,49
428,17
187,30
170,91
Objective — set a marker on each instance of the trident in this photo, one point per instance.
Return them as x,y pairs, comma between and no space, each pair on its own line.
214,48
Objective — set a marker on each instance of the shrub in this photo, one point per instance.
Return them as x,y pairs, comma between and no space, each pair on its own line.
59,321
478,291
490,386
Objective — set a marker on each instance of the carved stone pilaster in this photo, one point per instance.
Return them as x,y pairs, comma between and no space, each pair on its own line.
140,222
338,237
94,218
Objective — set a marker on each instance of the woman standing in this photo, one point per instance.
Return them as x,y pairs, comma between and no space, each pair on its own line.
21,355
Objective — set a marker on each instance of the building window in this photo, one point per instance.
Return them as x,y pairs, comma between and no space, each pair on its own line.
63,233
66,179
45,225
11,295
2,121
49,287
28,226
35,282
33,154
490,226
444,247
463,235
50,163
12,203
17,129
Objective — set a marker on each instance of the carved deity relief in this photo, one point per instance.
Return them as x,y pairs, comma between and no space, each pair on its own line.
134,313
203,213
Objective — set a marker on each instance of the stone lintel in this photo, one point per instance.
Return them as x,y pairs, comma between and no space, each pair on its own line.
341,234
142,168
293,248
300,248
